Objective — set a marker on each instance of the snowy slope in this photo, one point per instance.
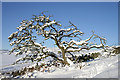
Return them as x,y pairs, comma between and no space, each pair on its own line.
7,61
99,68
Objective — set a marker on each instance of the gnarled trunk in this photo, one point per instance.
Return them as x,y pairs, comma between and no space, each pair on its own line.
64,57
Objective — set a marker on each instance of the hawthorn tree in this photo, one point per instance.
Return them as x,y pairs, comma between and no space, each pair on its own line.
24,41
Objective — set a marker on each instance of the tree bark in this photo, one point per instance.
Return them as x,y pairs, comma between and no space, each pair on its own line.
64,57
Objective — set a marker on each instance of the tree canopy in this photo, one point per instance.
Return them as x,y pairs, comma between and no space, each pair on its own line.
24,41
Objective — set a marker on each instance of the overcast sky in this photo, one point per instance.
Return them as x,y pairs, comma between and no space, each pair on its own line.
102,17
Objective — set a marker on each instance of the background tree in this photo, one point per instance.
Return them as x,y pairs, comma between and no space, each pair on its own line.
25,42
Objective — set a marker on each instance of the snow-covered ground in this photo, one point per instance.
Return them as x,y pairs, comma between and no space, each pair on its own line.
99,68
7,61
103,67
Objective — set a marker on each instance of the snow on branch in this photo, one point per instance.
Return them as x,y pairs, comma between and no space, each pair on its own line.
47,24
74,33
13,35
78,43
83,44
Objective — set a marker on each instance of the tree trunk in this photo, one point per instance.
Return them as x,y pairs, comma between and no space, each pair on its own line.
65,59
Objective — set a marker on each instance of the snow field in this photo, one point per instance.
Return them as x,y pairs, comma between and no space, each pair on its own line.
99,68
102,67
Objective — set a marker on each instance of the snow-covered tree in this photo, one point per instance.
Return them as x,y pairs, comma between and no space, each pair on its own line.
25,41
